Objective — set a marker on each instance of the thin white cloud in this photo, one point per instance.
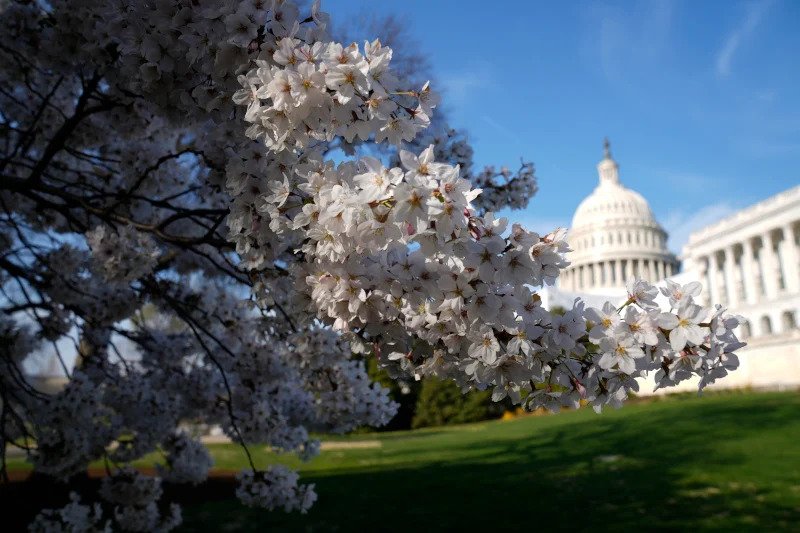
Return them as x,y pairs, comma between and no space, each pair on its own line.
461,86
679,224
687,181
458,86
504,131
766,148
621,39
755,13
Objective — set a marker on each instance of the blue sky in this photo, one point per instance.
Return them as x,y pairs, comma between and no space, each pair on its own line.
701,100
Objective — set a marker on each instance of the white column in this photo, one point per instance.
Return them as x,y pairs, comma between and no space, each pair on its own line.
738,276
713,286
701,267
653,275
660,270
730,281
769,264
790,260
607,273
618,273
748,276
584,272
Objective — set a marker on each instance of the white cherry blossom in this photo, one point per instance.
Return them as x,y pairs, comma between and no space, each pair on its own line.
684,325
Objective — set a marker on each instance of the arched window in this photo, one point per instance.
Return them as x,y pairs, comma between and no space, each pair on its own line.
789,322
766,325
745,329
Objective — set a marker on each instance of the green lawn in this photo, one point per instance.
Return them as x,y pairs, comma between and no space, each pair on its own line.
721,462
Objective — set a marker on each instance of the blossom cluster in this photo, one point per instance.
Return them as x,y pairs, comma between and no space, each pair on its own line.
119,138
125,255
303,97
500,188
275,488
129,504
134,498
188,461
310,92
400,260
74,516
397,257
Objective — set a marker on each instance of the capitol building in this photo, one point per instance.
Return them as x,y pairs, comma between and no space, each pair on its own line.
614,236
749,262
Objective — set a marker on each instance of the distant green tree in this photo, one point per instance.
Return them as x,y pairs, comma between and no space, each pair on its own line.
441,402
405,393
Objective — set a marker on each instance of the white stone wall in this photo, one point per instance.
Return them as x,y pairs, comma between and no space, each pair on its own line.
767,363
749,262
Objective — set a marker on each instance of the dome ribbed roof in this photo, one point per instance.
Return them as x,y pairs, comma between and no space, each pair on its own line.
612,204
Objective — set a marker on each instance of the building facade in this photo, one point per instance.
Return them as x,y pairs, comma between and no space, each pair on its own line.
748,262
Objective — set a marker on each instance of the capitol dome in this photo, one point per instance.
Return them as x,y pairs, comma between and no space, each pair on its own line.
614,236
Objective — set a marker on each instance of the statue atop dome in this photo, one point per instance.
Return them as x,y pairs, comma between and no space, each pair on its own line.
608,168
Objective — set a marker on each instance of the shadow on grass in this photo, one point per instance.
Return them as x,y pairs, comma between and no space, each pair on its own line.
707,466
653,471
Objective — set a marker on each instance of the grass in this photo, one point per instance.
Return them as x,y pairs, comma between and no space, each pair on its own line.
721,462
